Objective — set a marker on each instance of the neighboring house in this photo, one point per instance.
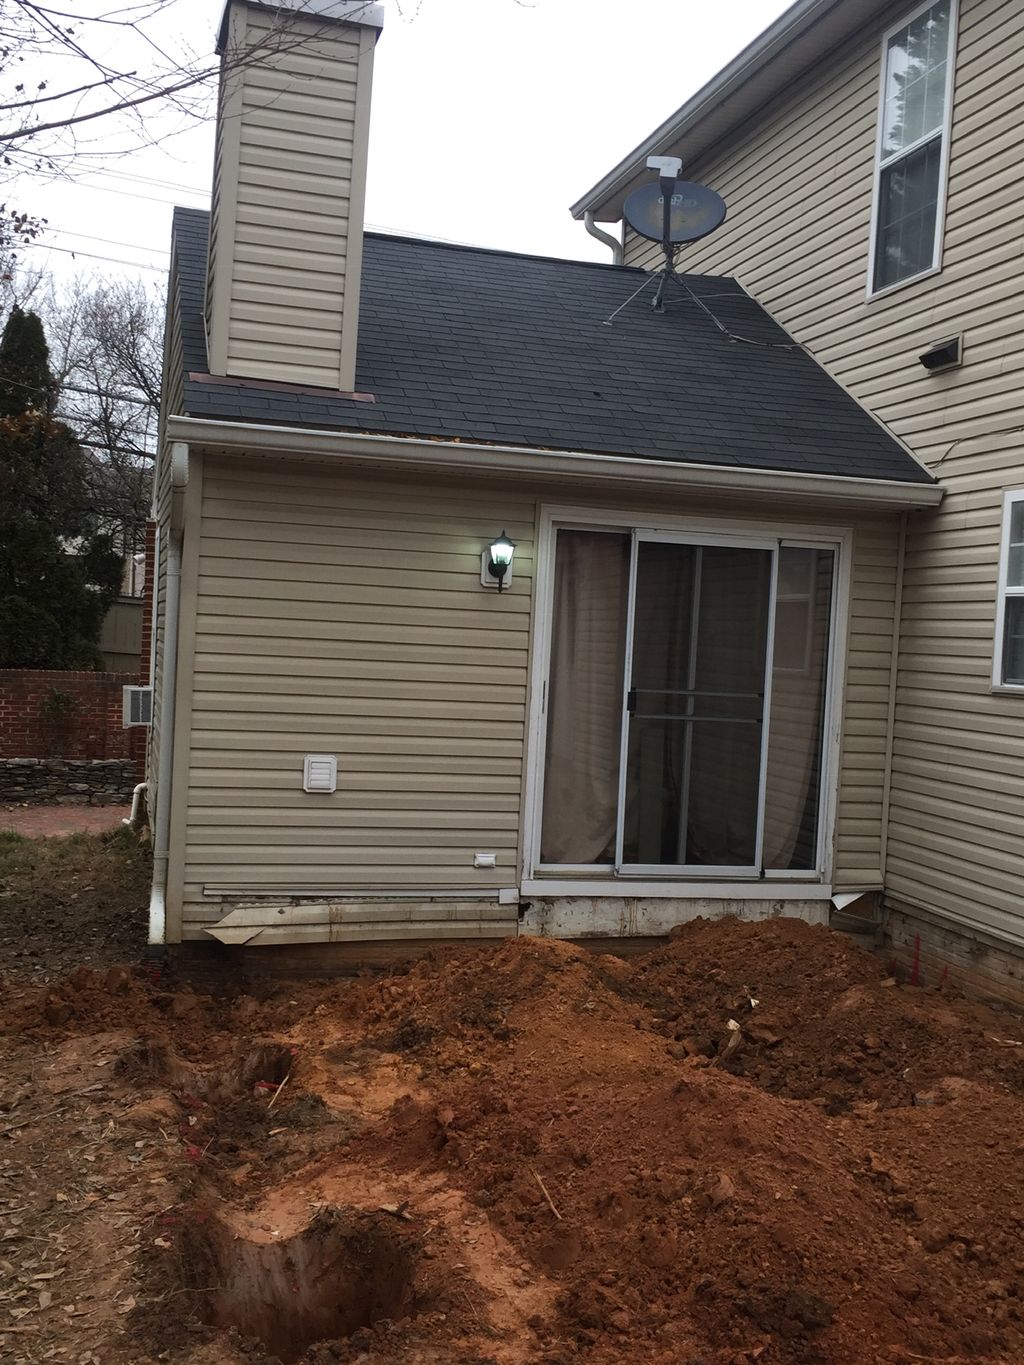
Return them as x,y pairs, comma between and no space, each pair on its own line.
679,699
870,156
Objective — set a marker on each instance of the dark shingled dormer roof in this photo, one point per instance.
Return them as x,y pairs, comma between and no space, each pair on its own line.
516,350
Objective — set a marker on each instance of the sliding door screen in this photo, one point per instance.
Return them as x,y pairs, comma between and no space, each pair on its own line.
695,706
685,705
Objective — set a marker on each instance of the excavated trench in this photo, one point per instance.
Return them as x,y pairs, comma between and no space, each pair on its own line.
255,1064
345,1271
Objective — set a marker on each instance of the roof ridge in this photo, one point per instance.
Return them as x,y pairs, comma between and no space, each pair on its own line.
498,251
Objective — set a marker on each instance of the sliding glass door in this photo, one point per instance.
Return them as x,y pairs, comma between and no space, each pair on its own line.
695,707
685,704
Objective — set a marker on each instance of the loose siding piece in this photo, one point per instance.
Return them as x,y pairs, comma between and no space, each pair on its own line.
798,182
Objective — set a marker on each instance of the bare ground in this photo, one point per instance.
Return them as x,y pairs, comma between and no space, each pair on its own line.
750,1145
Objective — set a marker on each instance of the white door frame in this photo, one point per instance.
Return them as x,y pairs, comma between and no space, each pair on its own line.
585,878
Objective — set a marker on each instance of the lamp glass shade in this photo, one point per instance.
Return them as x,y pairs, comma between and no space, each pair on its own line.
502,551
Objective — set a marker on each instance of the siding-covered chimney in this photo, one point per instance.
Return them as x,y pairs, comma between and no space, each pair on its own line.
289,180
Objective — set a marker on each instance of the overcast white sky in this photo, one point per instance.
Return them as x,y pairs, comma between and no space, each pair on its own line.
489,118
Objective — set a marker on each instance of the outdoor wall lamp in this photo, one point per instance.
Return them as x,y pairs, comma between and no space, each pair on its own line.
496,563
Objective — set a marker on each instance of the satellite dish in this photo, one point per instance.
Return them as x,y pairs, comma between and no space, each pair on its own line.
695,211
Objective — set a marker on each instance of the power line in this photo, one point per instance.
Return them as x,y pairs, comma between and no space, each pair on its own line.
147,198
109,241
93,256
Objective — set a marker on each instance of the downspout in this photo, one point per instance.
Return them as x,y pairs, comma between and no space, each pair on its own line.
168,688
890,728
602,236
133,819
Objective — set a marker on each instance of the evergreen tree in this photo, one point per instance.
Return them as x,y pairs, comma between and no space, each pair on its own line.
25,380
58,570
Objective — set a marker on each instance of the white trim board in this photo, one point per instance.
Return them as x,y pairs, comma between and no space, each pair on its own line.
674,889
1004,592
249,439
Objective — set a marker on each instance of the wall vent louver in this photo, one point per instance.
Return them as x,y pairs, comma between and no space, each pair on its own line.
320,773
136,706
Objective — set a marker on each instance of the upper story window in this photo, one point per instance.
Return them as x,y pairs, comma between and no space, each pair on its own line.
913,145
1008,665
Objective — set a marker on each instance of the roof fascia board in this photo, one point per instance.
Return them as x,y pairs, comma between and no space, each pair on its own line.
304,443
724,89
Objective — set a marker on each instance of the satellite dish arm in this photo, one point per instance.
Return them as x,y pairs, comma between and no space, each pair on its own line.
668,188
668,168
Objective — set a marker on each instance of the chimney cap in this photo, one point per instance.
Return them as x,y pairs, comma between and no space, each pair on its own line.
342,11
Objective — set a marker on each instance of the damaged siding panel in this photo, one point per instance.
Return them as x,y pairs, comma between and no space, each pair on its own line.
318,629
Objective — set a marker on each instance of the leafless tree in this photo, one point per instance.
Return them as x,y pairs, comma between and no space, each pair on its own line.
106,356
66,88
105,339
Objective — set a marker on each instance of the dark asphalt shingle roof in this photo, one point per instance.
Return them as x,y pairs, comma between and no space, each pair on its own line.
517,350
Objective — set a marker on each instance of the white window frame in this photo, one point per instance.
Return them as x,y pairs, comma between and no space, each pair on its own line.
1003,592
601,879
947,125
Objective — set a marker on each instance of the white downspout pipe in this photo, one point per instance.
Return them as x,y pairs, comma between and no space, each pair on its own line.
162,820
602,236
137,791
168,688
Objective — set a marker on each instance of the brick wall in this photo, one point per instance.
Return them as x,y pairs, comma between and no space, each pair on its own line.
50,714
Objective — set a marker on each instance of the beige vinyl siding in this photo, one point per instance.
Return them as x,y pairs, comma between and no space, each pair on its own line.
345,615
162,510
956,837
172,401
798,182
866,708
341,613
213,250
286,229
172,388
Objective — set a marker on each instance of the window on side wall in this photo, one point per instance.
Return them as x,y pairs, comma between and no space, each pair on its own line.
913,146
1008,665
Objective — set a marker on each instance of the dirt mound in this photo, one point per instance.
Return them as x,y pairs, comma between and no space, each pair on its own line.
469,992
87,1000
749,1145
805,1013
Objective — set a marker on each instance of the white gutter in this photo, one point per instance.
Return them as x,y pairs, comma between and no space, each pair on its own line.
172,603
350,448
602,236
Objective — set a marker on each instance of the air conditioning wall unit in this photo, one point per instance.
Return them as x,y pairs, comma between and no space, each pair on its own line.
136,706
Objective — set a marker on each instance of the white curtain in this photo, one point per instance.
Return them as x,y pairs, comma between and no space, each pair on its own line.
799,680
585,682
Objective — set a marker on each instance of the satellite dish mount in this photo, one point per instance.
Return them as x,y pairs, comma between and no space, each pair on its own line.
672,211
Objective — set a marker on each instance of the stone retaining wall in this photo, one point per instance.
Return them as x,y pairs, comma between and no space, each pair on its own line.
67,781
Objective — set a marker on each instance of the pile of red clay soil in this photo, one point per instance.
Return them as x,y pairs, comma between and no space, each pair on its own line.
750,1145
